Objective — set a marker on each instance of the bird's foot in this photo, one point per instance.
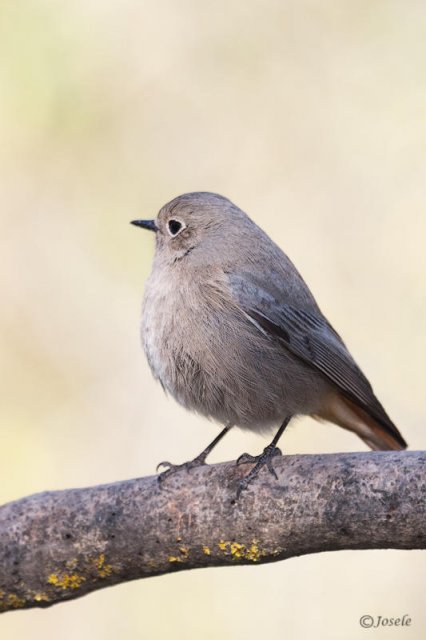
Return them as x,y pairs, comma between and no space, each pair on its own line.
173,468
265,458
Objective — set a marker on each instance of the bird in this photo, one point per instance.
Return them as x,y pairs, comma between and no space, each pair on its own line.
232,332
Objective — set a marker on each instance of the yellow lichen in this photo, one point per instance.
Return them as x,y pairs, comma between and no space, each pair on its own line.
104,569
240,551
237,549
206,550
66,580
223,545
15,601
175,559
253,553
41,597
184,555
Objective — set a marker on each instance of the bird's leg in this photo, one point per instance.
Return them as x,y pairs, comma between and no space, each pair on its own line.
196,462
265,458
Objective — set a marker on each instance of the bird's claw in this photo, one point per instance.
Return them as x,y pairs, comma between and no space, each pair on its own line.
173,468
165,463
265,458
246,457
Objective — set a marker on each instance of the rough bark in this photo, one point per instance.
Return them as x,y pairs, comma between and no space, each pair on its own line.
59,545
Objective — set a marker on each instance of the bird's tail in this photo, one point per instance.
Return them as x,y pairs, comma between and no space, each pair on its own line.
377,432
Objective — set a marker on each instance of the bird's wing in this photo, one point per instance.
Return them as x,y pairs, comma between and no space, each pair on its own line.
309,336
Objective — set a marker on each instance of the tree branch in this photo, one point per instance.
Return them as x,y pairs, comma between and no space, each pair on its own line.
59,545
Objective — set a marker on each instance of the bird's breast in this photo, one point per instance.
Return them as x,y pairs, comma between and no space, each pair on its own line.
180,317
212,359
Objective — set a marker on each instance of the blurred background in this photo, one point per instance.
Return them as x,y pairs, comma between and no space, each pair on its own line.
310,116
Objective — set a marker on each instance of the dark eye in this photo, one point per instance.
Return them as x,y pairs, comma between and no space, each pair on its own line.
174,227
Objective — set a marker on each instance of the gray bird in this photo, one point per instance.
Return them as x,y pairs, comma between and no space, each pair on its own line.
231,331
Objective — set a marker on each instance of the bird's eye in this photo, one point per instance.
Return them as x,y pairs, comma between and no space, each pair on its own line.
174,227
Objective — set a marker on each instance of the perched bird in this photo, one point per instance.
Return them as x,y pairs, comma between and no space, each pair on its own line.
232,332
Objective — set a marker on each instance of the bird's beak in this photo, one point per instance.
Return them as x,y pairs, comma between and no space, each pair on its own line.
146,224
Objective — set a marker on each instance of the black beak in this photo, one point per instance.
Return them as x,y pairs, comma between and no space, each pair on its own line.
146,224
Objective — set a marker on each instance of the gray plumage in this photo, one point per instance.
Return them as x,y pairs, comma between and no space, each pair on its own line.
232,331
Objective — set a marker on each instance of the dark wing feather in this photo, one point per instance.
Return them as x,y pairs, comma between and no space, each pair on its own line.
308,335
